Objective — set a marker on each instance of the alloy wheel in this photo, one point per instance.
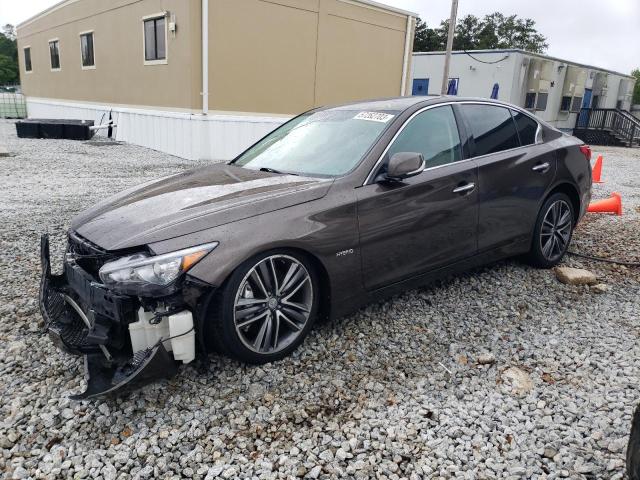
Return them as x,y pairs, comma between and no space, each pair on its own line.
273,304
555,232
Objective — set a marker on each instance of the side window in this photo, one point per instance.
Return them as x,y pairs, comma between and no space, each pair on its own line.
576,104
541,103
27,59
155,46
527,128
530,101
86,50
434,134
492,128
54,54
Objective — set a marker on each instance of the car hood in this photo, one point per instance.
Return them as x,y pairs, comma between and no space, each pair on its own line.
190,202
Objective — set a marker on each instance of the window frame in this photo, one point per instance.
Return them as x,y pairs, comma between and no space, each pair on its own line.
535,99
472,139
546,102
93,48
562,99
57,41
459,130
573,101
537,137
461,121
145,19
462,133
24,59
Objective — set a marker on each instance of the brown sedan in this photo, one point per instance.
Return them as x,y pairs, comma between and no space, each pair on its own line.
335,208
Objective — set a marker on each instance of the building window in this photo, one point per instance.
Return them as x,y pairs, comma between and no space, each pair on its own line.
155,40
576,104
530,100
27,59
541,103
86,50
54,53
565,104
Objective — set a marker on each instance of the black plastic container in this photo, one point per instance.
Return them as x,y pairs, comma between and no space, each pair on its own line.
78,130
55,128
28,128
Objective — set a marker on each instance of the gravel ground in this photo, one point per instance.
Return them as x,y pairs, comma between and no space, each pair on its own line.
499,373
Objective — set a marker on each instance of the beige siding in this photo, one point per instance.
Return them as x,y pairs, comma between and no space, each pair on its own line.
360,52
297,54
265,56
120,76
262,55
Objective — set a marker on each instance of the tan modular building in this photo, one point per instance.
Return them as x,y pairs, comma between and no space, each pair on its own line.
206,78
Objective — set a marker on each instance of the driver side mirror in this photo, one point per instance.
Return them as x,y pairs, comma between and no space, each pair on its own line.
404,165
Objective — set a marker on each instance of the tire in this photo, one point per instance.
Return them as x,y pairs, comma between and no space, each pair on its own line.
252,318
555,223
633,448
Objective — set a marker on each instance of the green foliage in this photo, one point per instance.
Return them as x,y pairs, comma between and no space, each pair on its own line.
636,88
9,73
472,33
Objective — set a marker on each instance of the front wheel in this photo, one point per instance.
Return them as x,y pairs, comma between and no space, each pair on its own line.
553,231
265,308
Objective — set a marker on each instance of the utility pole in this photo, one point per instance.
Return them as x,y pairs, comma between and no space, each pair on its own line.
447,58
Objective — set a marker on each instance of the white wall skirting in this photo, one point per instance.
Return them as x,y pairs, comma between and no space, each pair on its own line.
186,135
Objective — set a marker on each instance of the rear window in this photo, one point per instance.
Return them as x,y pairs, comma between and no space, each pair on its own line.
526,126
492,128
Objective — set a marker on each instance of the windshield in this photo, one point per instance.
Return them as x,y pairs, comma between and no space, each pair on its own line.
326,143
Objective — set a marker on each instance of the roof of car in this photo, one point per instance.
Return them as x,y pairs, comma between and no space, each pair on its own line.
396,103
402,103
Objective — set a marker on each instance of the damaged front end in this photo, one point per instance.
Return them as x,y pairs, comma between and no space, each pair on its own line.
127,340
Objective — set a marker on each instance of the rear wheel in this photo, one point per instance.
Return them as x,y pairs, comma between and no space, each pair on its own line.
553,231
265,308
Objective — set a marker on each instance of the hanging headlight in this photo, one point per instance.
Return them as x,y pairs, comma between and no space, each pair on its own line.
143,270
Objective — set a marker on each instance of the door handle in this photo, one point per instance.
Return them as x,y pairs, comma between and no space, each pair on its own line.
542,167
464,188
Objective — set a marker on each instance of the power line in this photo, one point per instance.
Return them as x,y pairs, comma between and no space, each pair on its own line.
484,61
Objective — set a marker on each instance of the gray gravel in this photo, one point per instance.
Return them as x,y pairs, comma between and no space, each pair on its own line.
500,373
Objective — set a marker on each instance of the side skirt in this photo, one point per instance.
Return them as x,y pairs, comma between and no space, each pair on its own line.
481,259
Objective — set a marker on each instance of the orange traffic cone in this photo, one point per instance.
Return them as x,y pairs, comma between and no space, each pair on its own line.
609,205
597,170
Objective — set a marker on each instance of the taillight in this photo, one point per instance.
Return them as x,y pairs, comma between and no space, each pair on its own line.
586,151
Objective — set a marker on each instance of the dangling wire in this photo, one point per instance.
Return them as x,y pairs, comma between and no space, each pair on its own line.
605,260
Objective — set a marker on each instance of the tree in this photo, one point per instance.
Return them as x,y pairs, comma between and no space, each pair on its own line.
8,56
472,33
428,39
636,88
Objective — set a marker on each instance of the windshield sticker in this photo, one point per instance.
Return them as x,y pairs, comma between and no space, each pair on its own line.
374,116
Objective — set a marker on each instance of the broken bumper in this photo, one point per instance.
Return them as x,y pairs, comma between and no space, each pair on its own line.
84,318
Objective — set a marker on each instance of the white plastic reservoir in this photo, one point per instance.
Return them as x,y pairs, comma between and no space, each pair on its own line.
184,343
145,334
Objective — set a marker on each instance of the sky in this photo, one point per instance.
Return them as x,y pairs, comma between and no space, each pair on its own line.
603,33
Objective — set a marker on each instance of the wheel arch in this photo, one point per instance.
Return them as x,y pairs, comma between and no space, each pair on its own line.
210,334
324,308
321,269
570,191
